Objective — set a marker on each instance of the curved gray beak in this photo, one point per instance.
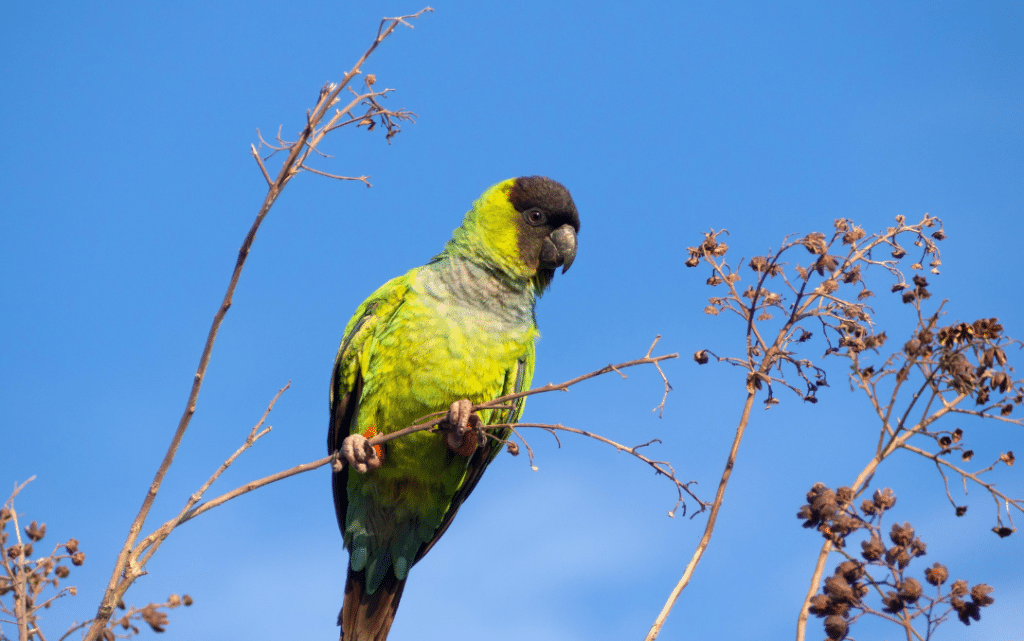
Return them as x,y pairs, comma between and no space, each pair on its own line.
559,249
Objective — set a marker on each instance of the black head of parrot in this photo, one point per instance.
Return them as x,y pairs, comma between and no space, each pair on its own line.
548,225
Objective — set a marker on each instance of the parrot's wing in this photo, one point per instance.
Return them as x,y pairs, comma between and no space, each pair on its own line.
347,380
344,393
516,380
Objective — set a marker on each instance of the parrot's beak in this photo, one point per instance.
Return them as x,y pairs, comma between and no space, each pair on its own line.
559,249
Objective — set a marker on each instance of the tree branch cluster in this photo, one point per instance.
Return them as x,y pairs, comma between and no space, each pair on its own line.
929,378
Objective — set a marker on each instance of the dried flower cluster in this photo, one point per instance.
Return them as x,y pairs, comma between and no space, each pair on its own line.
815,286
27,584
26,581
881,568
814,295
938,370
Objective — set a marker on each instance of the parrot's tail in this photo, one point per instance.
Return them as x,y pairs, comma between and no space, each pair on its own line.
368,617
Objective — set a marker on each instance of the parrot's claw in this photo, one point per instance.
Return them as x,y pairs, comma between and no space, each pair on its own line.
359,453
459,420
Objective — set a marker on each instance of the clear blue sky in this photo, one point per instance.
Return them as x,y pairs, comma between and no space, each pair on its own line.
128,187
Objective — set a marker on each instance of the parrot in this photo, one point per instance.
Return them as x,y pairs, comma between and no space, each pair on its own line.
456,332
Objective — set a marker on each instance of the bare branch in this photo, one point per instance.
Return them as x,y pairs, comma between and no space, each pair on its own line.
124,572
363,179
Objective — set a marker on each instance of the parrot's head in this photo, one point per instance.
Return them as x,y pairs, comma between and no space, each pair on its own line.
525,228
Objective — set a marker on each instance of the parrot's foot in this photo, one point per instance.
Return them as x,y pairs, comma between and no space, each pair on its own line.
359,453
461,419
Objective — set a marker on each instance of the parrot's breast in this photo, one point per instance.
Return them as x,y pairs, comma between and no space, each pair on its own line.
459,333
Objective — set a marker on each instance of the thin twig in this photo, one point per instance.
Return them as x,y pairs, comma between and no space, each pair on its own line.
709,528
362,179
124,572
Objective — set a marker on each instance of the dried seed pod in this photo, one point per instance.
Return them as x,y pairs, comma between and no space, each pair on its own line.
815,243
839,589
910,590
884,498
980,595
851,570
844,495
966,610
872,550
836,627
892,602
918,547
853,235
898,555
35,532
937,574
820,606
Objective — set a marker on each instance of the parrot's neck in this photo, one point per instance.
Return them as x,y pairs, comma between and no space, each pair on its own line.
454,279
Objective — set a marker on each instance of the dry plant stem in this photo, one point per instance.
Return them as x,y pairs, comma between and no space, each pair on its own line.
710,527
964,474
140,554
148,546
74,628
20,588
252,485
125,572
661,467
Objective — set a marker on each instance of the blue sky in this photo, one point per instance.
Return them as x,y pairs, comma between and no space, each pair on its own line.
129,187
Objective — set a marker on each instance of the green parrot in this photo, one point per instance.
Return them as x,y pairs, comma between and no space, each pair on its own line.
455,332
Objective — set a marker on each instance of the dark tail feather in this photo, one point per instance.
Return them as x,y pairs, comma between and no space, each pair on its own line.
368,617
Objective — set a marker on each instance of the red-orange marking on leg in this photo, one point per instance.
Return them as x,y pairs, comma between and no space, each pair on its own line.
379,449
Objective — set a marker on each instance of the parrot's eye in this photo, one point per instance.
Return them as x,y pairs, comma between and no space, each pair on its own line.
535,217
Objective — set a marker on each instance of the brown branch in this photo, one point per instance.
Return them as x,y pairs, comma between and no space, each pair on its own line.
497,403
19,576
124,572
259,161
661,467
964,474
362,179
660,409
705,539
253,485
144,551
